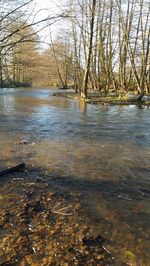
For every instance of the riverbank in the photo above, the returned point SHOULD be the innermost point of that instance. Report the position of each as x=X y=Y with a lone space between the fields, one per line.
x=99 y=98
x=16 y=85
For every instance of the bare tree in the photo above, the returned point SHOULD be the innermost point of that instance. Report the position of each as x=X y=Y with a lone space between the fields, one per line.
x=89 y=54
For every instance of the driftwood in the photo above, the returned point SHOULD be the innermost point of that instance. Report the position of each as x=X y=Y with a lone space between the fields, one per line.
x=12 y=169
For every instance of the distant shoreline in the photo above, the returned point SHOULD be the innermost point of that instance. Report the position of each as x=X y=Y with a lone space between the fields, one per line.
x=16 y=85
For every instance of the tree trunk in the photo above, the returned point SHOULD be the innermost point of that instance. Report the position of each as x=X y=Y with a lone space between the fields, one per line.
x=87 y=68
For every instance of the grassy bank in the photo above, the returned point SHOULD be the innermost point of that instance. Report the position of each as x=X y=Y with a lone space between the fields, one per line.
x=99 y=98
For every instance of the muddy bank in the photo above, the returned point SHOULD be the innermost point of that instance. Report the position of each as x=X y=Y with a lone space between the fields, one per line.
x=101 y=99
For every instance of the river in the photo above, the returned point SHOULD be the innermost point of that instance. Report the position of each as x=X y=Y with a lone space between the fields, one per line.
x=101 y=151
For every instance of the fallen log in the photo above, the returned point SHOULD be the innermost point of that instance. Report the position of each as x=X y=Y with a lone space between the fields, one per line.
x=12 y=169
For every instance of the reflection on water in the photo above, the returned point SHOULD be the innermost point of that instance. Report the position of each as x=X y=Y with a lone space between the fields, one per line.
x=89 y=143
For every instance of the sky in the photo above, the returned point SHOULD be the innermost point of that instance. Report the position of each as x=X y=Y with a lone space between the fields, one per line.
x=45 y=8
x=35 y=11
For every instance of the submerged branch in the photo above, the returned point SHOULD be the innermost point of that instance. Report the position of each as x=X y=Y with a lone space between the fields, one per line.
x=12 y=169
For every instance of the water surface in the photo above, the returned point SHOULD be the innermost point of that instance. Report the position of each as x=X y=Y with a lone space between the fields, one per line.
x=104 y=152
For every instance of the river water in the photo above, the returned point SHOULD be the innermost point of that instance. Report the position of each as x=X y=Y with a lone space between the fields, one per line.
x=101 y=151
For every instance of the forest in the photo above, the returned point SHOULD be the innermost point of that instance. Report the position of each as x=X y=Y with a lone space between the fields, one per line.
x=97 y=45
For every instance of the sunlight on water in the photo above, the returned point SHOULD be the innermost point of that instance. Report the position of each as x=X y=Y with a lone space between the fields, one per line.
x=83 y=160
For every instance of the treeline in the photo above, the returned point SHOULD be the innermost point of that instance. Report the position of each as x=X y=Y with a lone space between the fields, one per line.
x=23 y=62
x=111 y=44
x=14 y=36
x=102 y=46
